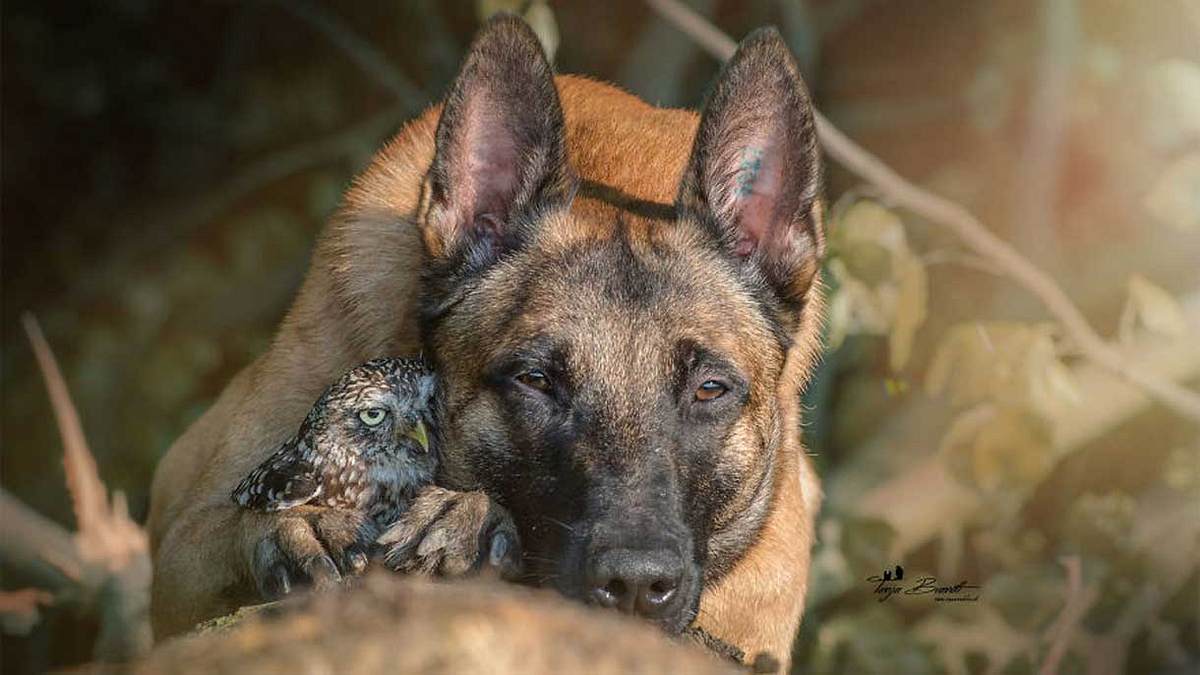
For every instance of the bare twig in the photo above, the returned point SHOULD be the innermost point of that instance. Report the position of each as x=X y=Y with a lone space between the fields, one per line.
x=83 y=479
x=1079 y=600
x=19 y=609
x=959 y=221
x=106 y=565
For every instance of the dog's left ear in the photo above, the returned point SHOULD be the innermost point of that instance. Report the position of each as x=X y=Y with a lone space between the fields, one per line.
x=754 y=177
x=500 y=147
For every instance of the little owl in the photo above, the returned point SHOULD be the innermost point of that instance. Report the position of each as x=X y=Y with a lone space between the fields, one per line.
x=364 y=446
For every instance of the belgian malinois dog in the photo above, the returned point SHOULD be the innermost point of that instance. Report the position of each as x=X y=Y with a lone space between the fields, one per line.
x=622 y=302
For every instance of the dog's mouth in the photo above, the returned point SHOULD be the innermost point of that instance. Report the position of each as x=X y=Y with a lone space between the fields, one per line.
x=646 y=573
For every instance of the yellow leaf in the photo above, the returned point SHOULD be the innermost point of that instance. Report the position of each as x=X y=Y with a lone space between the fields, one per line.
x=1005 y=362
x=1173 y=94
x=1175 y=198
x=911 y=307
x=867 y=221
x=541 y=18
x=997 y=449
x=537 y=14
x=1155 y=308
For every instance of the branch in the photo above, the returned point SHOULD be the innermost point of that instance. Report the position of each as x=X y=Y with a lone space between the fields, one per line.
x=959 y=221
x=919 y=498
x=105 y=566
x=83 y=479
x=1079 y=600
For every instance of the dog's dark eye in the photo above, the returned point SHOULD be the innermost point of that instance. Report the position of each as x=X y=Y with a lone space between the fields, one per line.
x=535 y=379
x=710 y=390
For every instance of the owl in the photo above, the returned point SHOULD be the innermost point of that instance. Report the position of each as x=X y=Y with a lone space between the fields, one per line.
x=366 y=445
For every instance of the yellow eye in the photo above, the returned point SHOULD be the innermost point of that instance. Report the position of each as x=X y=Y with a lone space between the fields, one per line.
x=710 y=390
x=372 y=416
x=535 y=379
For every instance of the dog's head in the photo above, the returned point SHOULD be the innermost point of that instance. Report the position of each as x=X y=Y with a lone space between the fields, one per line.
x=619 y=377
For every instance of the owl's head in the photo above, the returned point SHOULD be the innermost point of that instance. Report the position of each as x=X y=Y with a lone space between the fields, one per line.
x=381 y=410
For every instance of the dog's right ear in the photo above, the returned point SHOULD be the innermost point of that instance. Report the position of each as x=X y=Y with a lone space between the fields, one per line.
x=501 y=148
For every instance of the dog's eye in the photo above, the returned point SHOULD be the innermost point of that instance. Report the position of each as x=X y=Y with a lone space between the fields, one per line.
x=372 y=416
x=535 y=379
x=710 y=390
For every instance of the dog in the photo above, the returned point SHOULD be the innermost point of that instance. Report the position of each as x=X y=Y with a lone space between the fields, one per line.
x=623 y=304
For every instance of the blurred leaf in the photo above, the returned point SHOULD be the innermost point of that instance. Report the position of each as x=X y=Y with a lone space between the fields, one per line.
x=1155 y=309
x=831 y=574
x=856 y=308
x=985 y=633
x=1173 y=92
x=1049 y=381
x=1100 y=524
x=541 y=19
x=1015 y=364
x=1027 y=598
x=537 y=13
x=911 y=308
x=866 y=223
x=868 y=642
x=882 y=288
x=997 y=449
x=867 y=545
x=1182 y=470
x=1175 y=197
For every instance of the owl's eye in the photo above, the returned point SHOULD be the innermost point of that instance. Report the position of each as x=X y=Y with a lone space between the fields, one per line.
x=535 y=379
x=372 y=416
x=710 y=390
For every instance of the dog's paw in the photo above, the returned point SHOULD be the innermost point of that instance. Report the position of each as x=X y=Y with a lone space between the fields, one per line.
x=311 y=546
x=451 y=533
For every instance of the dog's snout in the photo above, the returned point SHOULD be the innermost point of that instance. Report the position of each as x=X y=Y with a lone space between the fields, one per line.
x=636 y=581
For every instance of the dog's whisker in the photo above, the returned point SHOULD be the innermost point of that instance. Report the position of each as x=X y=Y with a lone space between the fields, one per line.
x=560 y=523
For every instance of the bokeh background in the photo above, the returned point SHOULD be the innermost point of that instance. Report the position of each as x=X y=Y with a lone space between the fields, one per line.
x=167 y=165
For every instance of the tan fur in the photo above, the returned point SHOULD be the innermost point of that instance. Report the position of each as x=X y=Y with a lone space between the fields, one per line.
x=358 y=302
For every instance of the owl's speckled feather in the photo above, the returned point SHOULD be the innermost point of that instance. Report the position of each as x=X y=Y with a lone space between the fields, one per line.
x=338 y=459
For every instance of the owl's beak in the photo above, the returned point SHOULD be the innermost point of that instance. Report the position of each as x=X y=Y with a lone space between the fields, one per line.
x=419 y=434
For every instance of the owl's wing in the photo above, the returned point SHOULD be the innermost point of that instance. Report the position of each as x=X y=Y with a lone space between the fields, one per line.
x=286 y=479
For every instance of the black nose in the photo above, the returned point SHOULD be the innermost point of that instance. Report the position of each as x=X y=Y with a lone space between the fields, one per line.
x=635 y=581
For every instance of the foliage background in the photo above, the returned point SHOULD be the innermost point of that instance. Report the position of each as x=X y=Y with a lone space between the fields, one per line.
x=167 y=165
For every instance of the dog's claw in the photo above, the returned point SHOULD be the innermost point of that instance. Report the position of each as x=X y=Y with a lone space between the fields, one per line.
x=311 y=546
x=277 y=583
x=321 y=571
x=356 y=560
x=451 y=533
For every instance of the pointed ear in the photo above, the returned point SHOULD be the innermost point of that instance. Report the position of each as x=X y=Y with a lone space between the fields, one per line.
x=500 y=146
x=754 y=177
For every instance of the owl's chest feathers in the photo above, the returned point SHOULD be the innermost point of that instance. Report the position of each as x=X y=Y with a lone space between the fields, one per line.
x=379 y=483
